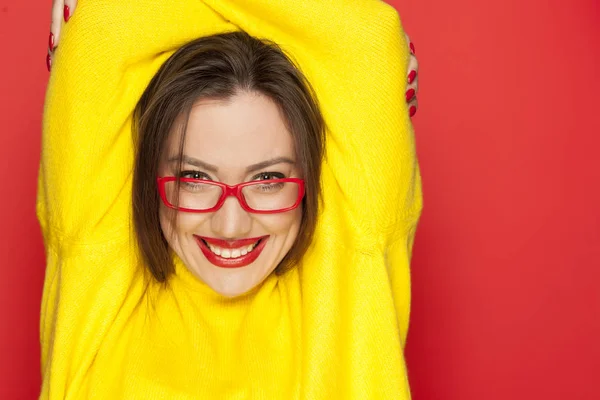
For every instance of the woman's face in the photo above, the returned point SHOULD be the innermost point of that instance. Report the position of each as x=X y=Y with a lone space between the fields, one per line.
x=226 y=140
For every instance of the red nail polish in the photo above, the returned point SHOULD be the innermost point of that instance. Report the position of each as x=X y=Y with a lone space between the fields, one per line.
x=67 y=13
x=412 y=48
x=48 y=62
x=410 y=93
x=412 y=111
x=51 y=42
x=412 y=76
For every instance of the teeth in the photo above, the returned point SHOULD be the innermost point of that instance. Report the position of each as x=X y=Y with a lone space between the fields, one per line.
x=232 y=253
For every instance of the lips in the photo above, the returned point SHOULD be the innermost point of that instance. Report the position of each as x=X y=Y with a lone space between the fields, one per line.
x=229 y=247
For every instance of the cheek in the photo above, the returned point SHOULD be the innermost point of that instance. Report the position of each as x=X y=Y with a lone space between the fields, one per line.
x=174 y=224
x=286 y=224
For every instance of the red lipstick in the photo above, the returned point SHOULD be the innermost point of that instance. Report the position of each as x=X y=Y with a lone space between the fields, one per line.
x=237 y=262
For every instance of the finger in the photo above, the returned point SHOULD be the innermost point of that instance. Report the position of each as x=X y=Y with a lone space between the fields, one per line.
x=413 y=64
x=413 y=105
x=411 y=46
x=414 y=85
x=413 y=80
x=55 y=24
x=69 y=9
x=49 y=60
x=413 y=72
x=62 y=10
x=412 y=88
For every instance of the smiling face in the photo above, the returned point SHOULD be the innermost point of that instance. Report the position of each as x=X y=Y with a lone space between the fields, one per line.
x=240 y=139
x=225 y=141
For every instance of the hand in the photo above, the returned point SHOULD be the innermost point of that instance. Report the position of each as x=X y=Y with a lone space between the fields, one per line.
x=62 y=10
x=413 y=80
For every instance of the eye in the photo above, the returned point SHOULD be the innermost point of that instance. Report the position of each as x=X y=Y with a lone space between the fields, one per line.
x=269 y=187
x=263 y=176
x=194 y=175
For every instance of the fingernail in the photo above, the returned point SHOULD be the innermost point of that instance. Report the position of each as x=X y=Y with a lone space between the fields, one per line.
x=67 y=13
x=412 y=48
x=412 y=111
x=412 y=76
x=51 y=42
x=410 y=93
x=48 y=62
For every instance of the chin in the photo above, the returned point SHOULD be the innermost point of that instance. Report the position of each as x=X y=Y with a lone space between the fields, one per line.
x=234 y=289
x=230 y=282
x=231 y=294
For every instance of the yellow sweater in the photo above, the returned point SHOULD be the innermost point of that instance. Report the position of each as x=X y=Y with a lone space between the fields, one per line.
x=333 y=327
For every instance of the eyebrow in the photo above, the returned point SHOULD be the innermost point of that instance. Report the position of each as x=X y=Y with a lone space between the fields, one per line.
x=251 y=168
x=195 y=162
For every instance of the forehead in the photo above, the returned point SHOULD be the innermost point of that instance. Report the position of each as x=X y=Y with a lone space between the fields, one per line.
x=231 y=134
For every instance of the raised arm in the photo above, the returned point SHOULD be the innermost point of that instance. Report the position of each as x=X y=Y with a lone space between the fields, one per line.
x=355 y=279
x=107 y=53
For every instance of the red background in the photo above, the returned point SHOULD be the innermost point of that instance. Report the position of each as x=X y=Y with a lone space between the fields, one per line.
x=506 y=294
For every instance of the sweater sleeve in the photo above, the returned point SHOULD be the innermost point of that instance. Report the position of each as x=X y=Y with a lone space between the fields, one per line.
x=108 y=53
x=355 y=55
x=355 y=278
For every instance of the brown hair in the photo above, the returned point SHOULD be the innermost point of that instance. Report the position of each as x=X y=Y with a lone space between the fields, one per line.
x=218 y=67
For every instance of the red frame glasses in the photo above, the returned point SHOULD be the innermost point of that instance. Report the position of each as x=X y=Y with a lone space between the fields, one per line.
x=235 y=191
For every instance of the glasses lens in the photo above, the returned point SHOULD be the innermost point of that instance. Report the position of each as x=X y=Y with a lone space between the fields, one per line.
x=271 y=195
x=193 y=194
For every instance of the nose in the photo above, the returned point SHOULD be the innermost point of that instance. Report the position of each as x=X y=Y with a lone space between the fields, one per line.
x=231 y=221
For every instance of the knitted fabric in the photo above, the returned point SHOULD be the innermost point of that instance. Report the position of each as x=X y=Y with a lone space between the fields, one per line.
x=333 y=326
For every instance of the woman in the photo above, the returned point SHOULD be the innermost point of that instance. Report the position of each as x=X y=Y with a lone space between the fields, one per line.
x=331 y=321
